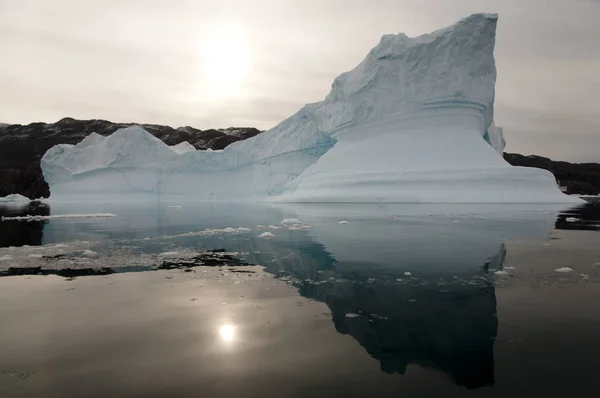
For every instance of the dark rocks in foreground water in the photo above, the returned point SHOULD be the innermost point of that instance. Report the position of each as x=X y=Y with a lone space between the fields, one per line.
x=209 y=258
x=64 y=272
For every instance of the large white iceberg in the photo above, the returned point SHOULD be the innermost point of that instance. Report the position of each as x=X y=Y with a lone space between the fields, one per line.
x=413 y=122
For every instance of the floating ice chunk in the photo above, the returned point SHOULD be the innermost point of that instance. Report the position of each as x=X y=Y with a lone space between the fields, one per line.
x=173 y=254
x=585 y=277
x=238 y=230
x=352 y=315
x=571 y=219
x=509 y=268
x=89 y=253
x=5 y=258
x=260 y=226
x=300 y=226
x=266 y=235
x=290 y=221
x=407 y=273
x=501 y=273
x=274 y=227
x=343 y=222
x=399 y=280
x=564 y=269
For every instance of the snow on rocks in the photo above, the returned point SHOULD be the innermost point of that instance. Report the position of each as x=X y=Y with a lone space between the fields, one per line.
x=14 y=199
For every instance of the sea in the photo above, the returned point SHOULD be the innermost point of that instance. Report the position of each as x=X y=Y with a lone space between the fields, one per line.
x=288 y=300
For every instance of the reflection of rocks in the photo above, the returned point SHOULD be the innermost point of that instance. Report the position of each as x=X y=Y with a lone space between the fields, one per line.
x=585 y=217
x=14 y=233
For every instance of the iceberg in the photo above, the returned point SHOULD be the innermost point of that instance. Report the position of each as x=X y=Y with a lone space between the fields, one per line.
x=413 y=122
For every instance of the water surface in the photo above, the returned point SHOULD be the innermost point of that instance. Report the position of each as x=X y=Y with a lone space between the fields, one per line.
x=420 y=300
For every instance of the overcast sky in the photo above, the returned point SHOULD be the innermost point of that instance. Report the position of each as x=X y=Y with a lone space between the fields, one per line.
x=220 y=63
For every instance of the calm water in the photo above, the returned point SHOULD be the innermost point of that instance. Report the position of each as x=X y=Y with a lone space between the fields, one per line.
x=416 y=300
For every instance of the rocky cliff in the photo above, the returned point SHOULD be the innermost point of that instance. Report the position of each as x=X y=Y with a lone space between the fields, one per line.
x=579 y=178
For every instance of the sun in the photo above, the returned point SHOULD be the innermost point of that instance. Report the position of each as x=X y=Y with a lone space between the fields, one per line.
x=225 y=62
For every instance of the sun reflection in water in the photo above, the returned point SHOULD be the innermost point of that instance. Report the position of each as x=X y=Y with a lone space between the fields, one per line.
x=227 y=332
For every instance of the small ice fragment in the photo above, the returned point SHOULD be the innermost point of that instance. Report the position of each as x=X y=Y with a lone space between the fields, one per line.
x=274 y=227
x=352 y=315
x=399 y=280
x=89 y=253
x=501 y=273
x=545 y=244
x=344 y=222
x=169 y=254
x=564 y=269
x=455 y=221
x=585 y=277
x=260 y=226
x=174 y=207
x=509 y=268
x=229 y=230
x=290 y=221
x=5 y=258
x=266 y=235
x=242 y=230
x=571 y=219
x=407 y=273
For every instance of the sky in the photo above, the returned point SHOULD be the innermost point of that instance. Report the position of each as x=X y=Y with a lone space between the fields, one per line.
x=221 y=63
